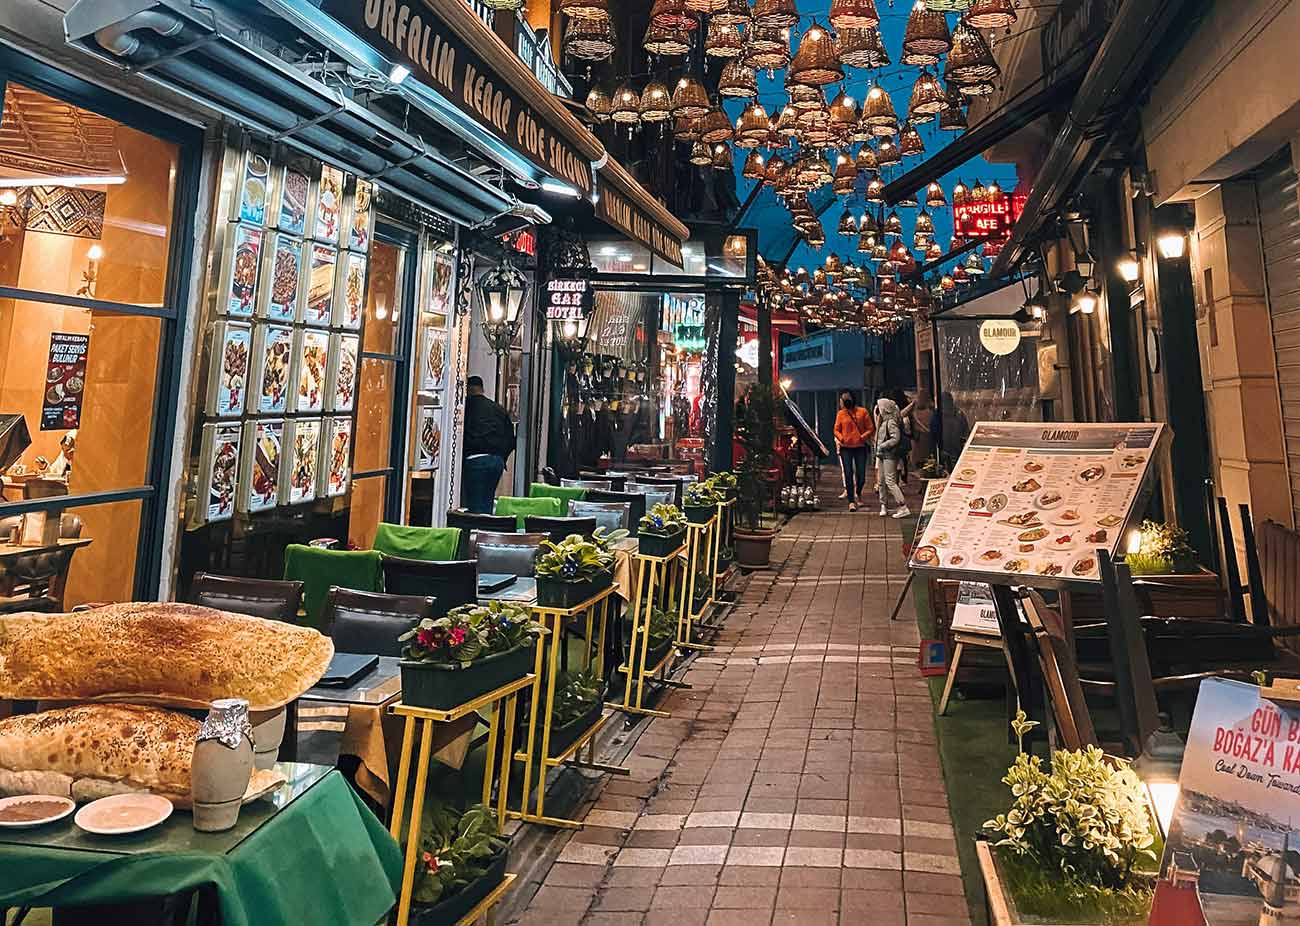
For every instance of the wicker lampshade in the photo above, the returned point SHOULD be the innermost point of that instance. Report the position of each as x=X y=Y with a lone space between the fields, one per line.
x=953 y=117
x=843 y=183
x=735 y=13
x=866 y=160
x=754 y=168
x=879 y=252
x=686 y=128
x=805 y=96
x=817 y=60
x=976 y=88
x=924 y=223
x=767 y=48
x=656 y=102
x=888 y=154
x=854 y=14
x=844 y=113
x=934 y=198
x=869 y=224
x=910 y=143
x=971 y=59
x=584 y=9
x=886 y=270
x=878 y=112
x=700 y=155
x=933 y=251
x=775 y=14
x=776 y=168
x=991 y=14
x=847 y=225
x=627 y=105
x=599 y=104
x=737 y=80
x=671 y=14
x=927 y=99
x=752 y=126
x=788 y=122
x=875 y=189
x=666 y=42
x=960 y=194
x=893 y=226
x=722 y=157
x=706 y=6
x=690 y=99
x=857 y=133
x=926 y=36
x=715 y=127
x=866 y=241
x=723 y=41
x=862 y=48
x=812 y=118
x=974 y=264
x=589 y=39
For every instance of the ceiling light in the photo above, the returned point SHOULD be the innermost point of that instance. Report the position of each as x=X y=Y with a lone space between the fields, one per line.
x=70 y=180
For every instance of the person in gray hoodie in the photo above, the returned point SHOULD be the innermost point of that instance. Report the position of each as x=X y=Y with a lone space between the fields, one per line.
x=889 y=437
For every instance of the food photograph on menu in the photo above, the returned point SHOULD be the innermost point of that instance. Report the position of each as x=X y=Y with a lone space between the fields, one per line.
x=220 y=463
x=313 y=364
x=1037 y=501
x=286 y=279
x=338 y=455
x=295 y=189
x=260 y=479
x=433 y=359
x=253 y=192
x=352 y=305
x=273 y=348
x=245 y=253
x=320 y=285
x=228 y=376
x=440 y=294
x=301 y=455
x=362 y=212
x=343 y=371
x=329 y=205
x=429 y=439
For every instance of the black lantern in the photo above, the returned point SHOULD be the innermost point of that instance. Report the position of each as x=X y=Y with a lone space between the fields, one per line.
x=501 y=293
x=571 y=336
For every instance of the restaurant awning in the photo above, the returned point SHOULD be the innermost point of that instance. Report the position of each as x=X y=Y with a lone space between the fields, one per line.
x=1005 y=301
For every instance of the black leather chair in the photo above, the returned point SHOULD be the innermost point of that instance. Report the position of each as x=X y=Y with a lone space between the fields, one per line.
x=35 y=581
x=559 y=528
x=273 y=599
x=636 y=502
x=659 y=482
x=470 y=521
x=514 y=554
x=451 y=583
x=371 y=622
x=655 y=494
x=616 y=481
x=605 y=484
x=609 y=515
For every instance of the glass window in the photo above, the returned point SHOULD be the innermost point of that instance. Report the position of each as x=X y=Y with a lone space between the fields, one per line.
x=383 y=298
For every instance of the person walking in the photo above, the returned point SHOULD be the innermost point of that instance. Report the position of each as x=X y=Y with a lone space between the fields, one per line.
x=890 y=446
x=853 y=431
x=489 y=441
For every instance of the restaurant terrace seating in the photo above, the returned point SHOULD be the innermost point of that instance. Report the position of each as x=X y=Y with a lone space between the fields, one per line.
x=559 y=528
x=513 y=554
x=273 y=599
x=371 y=622
x=451 y=583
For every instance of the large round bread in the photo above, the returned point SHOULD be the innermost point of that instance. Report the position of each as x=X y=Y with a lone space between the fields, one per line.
x=159 y=653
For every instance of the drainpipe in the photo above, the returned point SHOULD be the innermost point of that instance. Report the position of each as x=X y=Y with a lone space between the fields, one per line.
x=118 y=39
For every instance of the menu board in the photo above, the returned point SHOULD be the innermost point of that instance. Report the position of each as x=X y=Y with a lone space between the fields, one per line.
x=1033 y=502
x=429 y=442
x=295 y=189
x=352 y=301
x=273 y=354
x=329 y=205
x=320 y=285
x=253 y=188
x=300 y=458
x=228 y=374
x=343 y=371
x=433 y=359
x=313 y=360
x=219 y=469
x=285 y=290
x=336 y=465
x=241 y=270
x=363 y=214
x=260 y=472
x=440 y=280
x=65 y=381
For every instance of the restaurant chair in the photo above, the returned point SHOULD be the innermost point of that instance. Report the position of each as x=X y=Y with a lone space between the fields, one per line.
x=559 y=528
x=550 y=476
x=656 y=494
x=451 y=583
x=36 y=581
x=320 y=570
x=609 y=515
x=273 y=599
x=470 y=521
x=433 y=543
x=513 y=554
x=636 y=502
x=564 y=494
x=521 y=507
x=605 y=485
x=617 y=481
x=371 y=622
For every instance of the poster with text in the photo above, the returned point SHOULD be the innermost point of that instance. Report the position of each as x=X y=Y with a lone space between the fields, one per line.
x=329 y=205
x=1232 y=856
x=337 y=449
x=253 y=184
x=65 y=381
x=440 y=280
x=433 y=359
x=295 y=190
x=1032 y=502
x=363 y=215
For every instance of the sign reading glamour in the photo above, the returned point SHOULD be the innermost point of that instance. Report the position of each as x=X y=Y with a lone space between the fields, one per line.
x=412 y=33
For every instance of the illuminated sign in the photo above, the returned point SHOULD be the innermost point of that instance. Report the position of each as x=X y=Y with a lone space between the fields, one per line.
x=568 y=300
x=522 y=241
x=1000 y=337
x=989 y=218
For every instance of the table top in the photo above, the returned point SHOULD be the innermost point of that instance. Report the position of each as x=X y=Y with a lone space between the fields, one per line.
x=523 y=591
x=177 y=833
x=11 y=550
x=378 y=686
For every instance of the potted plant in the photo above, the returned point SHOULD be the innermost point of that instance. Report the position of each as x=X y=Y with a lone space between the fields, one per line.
x=1162 y=549
x=701 y=502
x=660 y=531
x=469 y=651
x=663 y=632
x=1071 y=847
x=755 y=433
x=579 y=701
x=724 y=483
x=571 y=571
x=462 y=858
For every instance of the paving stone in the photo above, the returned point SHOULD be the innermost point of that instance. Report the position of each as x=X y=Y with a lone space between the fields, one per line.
x=698 y=855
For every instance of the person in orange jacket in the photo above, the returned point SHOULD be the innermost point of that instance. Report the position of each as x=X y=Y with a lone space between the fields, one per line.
x=853 y=432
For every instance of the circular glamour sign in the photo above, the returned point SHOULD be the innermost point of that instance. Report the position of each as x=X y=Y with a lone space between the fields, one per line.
x=999 y=336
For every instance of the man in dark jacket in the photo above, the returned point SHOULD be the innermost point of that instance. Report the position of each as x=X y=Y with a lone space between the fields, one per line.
x=489 y=441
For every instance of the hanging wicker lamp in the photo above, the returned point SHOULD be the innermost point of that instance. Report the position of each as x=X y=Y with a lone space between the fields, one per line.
x=878 y=112
x=599 y=103
x=735 y=13
x=875 y=189
x=752 y=126
x=700 y=155
x=737 y=80
x=706 y=6
x=893 y=225
x=924 y=223
x=953 y=117
x=976 y=88
x=869 y=225
x=933 y=251
x=862 y=48
x=589 y=39
x=666 y=42
x=715 y=127
x=788 y=122
x=843 y=184
x=817 y=60
x=991 y=14
x=775 y=14
x=584 y=9
x=776 y=168
x=690 y=99
x=888 y=154
x=927 y=99
x=934 y=198
x=806 y=96
x=971 y=60
x=926 y=37
x=847 y=225
x=722 y=157
x=975 y=264
x=960 y=195
x=844 y=113
x=627 y=106
x=854 y=14
x=767 y=48
x=686 y=128
x=866 y=241
x=723 y=41
x=754 y=168
x=672 y=14
x=656 y=102
x=910 y=143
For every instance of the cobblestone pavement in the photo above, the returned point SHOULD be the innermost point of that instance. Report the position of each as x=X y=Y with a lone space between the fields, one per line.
x=798 y=780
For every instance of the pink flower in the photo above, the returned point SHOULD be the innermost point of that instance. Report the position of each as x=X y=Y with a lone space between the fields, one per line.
x=427 y=639
x=457 y=636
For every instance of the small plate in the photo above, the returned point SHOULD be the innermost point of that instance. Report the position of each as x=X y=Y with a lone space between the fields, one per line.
x=66 y=806
x=123 y=813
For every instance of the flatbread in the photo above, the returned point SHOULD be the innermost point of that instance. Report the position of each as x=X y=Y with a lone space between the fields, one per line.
x=177 y=655
x=97 y=750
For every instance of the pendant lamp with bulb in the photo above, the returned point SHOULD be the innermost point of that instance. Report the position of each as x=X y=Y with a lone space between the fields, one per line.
x=722 y=157
x=690 y=99
x=723 y=41
x=656 y=102
x=878 y=112
x=934 y=198
x=627 y=106
x=816 y=61
x=589 y=39
x=584 y=9
x=754 y=168
x=599 y=103
x=767 y=48
x=927 y=99
x=926 y=37
x=672 y=14
x=737 y=80
x=700 y=155
x=715 y=127
x=862 y=48
x=970 y=60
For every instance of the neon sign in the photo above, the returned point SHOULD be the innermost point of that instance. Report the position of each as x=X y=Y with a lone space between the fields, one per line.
x=994 y=218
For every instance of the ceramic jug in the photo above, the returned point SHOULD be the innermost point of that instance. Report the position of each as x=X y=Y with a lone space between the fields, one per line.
x=223 y=763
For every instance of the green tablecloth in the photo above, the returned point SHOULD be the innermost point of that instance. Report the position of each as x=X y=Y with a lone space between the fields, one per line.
x=322 y=859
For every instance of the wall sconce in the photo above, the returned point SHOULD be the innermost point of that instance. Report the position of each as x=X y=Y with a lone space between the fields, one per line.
x=90 y=276
x=1085 y=302
x=501 y=293
x=1128 y=268
x=1172 y=244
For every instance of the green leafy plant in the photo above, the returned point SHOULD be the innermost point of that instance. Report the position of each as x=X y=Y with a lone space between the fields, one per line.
x=1086 y=820
x=1162 y=548
x=606 y=539
x=663 y=627
x=662 y=519
x=756 y=432
x=471 y=632
x=575 y=558
x=575 y=694
x=455 y=849
x=723 y=480
x=701 y=495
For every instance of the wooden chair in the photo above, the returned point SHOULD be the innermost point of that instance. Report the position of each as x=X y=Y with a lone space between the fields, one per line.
x=371 y=622
x=451 y=583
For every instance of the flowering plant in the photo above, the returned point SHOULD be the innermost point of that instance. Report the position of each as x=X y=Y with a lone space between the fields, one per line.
x=471 y=632
x=701 y=495
x=1086 y=820
x=577 y=559
x=455 y=850
x=662 y=519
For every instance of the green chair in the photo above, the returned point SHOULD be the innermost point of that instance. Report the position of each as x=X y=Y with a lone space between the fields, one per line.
x=426 y=543
x=319 y=569
x=565 y=494
x=523 y=507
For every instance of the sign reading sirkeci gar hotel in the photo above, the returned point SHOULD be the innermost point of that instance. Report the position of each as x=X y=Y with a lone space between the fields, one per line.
x=413 y=33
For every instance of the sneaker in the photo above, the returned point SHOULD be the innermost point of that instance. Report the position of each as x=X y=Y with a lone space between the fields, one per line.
x=883 y=511
x=843 y=495
x=901 y=512
x=853 y=506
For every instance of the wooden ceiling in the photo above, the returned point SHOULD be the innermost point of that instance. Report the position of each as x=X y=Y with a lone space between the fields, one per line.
x=41 y=134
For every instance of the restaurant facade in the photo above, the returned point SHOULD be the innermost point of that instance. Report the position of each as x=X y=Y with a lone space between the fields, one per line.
x=241 y=255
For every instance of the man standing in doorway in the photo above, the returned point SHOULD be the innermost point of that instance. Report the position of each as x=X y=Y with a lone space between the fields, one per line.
x=489 y=441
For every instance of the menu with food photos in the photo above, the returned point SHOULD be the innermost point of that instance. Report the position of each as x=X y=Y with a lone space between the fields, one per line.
x=241 y=271
x=1033 y=503
x=336 y=453
x=219 y=459
x=300 y=457
x=260 y=469
x=285 y=289
x=273 y=354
